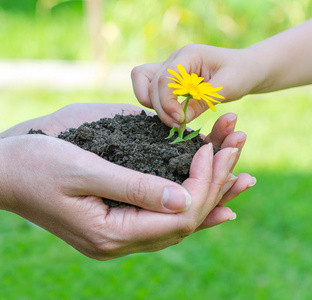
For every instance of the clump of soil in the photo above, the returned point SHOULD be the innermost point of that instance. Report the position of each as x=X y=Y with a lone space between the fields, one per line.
x=136 y=142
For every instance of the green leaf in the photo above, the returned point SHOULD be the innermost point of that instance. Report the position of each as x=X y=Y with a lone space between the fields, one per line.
x=172 y=131
x=177 y=140
x=192 y=135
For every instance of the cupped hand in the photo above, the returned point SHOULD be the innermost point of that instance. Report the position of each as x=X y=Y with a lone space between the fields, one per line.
x=235 y=70
x=73 y=115
x=60 y=187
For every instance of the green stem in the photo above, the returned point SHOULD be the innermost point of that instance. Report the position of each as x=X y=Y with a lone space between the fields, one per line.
x=183 y=125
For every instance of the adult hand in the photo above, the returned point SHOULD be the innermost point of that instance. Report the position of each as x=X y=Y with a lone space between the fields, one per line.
x=222 y=136
x=71 y=116
x=60 y=187
x=236 y=70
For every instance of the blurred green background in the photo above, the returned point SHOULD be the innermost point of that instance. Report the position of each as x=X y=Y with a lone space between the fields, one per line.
x=266 y=252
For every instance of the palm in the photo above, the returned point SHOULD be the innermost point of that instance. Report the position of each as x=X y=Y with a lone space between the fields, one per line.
x=76 y=114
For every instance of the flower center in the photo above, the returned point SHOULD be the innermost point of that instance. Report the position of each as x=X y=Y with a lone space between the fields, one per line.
x=194 y=90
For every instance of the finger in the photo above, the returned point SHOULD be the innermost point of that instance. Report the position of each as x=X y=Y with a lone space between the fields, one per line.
x=141 y=78
x=145 y=236
x=235 y=140
x=224 y=126
x=194 y=109
x=198 y=184
x=169 y=111
x=204 y=185
x=231 y=179
x=110 y=181
x=243 y=183
x=223 y=163
x=166 y=118
x=141 y=231
x=218 y=215
x=167 y=99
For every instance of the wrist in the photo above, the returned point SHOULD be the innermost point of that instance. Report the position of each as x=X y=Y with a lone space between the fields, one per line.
x=259 y=72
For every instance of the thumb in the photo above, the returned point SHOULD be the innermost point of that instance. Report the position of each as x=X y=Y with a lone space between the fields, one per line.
x=113 y=182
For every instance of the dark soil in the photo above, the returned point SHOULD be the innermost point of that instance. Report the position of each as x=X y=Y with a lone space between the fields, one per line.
x=136 y=142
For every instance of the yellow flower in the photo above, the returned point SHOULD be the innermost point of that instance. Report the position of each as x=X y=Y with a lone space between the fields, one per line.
x=186 y=84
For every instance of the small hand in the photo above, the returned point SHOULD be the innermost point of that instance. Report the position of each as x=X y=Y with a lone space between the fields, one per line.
x=232 y=69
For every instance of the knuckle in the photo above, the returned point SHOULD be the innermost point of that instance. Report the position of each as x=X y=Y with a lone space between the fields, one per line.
x=217 y=187
x=96 y=244
x=162 y=79
x=151 y=87
x=100 y=248
x=102 y=251
x=187 y=48
x=138 y=191
x=189 y=51
x=136 y=71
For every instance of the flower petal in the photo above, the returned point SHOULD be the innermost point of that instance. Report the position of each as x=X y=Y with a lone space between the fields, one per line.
x=218 y=88
x=211 y=94
x=192 y=84
x=207 y=98
x=207 y=89
x=196 y=80
x=174 y=85
x=181 y=92
x=196 y=97
x=176 y=80
x=184 y=74
x=211 y=106
x=175 y=74
x=205 y=85
x=216 y=95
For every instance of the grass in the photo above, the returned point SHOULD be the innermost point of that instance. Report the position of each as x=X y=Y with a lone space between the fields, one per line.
x=264 y=254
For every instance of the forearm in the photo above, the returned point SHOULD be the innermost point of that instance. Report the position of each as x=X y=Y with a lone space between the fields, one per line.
x=7 y=201
x=286 y=59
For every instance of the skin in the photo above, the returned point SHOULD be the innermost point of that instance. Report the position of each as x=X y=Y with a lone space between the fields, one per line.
x=59 y=186
x=280 y=62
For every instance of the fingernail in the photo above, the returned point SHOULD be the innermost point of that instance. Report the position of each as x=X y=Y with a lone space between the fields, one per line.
x=175 y=199
x=232 y=158
x=189 y=115
x=240 y=144
x=178 y=117
x=230 y=124
x=231 y=177
x=233 y=217
x=209 y=147
x=175 y=125
x=232 y=119
x=229 y=183
x=254 y=182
